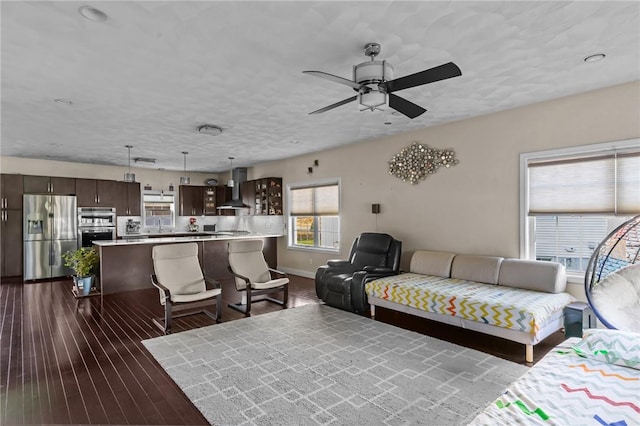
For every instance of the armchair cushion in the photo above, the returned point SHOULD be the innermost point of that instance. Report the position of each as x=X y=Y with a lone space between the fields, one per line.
x=246 y=255
x=177 y=268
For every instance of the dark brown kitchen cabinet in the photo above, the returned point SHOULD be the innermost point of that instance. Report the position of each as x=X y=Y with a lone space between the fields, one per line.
x=11 y=190
x=11 y=242
x=96 y=192
x=49 y=185
x=223 y=194
x=128 y=199
x=191 y=200
x=247 y=193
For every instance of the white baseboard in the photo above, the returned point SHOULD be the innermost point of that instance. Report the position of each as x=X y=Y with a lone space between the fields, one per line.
x=299 y=272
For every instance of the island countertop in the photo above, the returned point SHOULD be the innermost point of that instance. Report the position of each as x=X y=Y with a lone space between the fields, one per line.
x=182 y=238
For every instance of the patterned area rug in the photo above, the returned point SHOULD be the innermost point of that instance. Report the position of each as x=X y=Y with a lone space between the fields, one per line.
x=316 y=365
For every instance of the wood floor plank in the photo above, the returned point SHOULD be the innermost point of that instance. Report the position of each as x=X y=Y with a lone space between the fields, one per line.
x=81 y=361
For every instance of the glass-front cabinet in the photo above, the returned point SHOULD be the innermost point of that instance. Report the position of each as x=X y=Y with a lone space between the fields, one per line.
x=267 y=196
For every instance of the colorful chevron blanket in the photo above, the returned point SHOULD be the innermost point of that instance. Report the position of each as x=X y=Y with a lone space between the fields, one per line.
x=590 y=381
x=506 y=307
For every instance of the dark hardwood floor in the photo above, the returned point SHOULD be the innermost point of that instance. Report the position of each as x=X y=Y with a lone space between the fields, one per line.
x=80 y=361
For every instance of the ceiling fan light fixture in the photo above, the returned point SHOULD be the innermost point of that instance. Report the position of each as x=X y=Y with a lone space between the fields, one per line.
x=185 y=180
x=373 y=100
x=209 y=129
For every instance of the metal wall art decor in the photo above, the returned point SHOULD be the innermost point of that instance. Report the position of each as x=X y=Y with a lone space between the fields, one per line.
x=415 y=162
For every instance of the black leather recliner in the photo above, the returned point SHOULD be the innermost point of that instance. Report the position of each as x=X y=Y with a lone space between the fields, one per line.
x=341 y=283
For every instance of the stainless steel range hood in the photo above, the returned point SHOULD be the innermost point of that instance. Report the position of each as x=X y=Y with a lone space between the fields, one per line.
x=239 y=175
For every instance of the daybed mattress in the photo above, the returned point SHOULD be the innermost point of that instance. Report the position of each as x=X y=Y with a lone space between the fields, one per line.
x=505 y=307
x=589 y=381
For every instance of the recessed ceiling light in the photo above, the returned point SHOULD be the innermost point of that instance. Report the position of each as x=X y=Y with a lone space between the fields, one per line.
x=594 y=58
x=63 y=101
x=93 y=14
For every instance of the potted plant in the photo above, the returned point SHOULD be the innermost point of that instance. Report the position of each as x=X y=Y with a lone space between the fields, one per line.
x=84 y=262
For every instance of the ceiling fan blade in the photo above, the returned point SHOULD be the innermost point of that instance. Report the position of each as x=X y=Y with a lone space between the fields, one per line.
x=438 y=73
x=405 y=107
x=333 y=78
x=332 y=106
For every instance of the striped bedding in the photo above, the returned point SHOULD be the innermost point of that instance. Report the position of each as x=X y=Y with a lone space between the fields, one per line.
x=506 y=307
x=590 y=381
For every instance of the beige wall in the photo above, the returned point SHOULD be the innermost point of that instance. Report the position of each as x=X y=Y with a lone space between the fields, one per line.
x=472 y=207
x=156 y=178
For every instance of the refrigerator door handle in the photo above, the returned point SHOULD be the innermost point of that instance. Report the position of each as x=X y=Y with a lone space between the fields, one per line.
x=51 y=254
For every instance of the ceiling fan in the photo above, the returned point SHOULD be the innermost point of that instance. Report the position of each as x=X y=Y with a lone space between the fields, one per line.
x=373 y=80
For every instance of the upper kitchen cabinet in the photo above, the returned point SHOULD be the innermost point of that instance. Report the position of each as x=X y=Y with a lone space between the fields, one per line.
x=223 y=195
x=49 y=185
x=128 y=199
x=96 y=192
x=267 y=196
x=11 y=190
x=191 y=200
x=248 y=195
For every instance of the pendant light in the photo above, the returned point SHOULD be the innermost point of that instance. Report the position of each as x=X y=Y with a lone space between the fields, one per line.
x=230 y=182
x=185 y=180
x=129 y=177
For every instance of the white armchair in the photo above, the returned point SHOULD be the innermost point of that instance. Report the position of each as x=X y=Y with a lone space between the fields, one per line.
x=253 y=275
x=182 y=286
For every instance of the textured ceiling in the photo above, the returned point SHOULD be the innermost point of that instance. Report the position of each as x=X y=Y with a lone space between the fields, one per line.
x=154 y=71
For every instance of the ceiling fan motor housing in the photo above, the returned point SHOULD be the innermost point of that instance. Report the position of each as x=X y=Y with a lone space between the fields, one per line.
x=369 y=75
x=373 y=72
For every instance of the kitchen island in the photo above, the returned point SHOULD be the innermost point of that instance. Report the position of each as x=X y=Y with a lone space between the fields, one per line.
x=126 y=264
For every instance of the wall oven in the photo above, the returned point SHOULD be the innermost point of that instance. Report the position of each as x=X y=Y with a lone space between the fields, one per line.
x=96 y=223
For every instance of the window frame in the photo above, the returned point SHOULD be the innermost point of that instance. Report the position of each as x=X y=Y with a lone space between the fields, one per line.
x=527 y=249
x=290 y=218
x=143 y=213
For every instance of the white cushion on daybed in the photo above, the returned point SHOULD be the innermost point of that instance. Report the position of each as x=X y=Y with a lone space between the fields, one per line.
x=436 y=263
x=481 y=269
x=537 y=275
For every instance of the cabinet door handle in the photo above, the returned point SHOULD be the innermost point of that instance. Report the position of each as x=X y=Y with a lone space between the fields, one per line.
x=98 y=198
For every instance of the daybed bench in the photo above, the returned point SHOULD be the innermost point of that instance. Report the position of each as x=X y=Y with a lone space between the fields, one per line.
x=515 y=299
x=590 y=381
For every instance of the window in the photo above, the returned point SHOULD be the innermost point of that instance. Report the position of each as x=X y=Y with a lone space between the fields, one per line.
x=158 y=210
x=314 y=216
x=573 y=198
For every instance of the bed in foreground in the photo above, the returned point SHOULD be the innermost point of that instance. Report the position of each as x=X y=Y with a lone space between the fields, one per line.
x=594 y=380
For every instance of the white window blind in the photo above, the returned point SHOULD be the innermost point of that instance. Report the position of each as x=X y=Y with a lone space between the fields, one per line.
x=606 y=184
x=628 y=183
x=315 y=201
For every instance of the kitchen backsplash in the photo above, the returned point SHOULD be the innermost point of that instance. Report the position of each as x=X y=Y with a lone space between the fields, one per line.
x=258 y=224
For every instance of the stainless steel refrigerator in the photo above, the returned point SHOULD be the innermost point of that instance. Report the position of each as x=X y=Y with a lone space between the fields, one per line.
x=50 y=228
